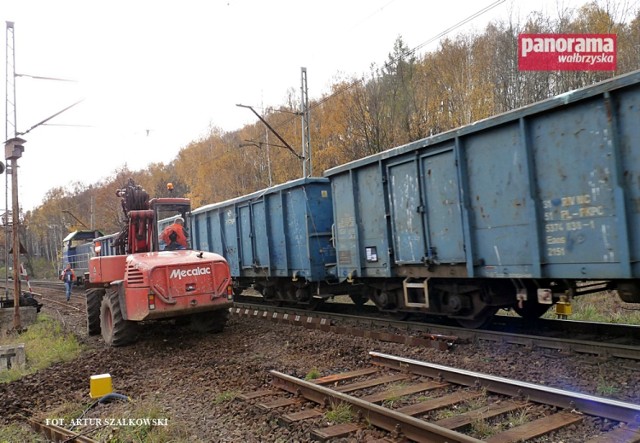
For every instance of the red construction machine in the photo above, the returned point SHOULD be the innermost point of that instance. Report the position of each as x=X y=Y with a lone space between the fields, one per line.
x=134 y=277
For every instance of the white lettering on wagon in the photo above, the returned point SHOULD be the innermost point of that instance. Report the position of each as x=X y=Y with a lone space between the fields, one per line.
x=181 y=273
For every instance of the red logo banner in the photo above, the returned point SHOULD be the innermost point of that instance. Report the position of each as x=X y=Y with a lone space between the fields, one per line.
x=567 y=52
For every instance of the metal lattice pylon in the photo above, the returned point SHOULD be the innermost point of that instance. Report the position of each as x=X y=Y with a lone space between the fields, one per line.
x=306 y=132
x=10 y=96
x=11 y=130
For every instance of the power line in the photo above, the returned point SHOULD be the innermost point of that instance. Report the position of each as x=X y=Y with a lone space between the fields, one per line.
x=39 y=77
x=457 y=25
x=377 y=11
x=49 y=118
x=410 y=51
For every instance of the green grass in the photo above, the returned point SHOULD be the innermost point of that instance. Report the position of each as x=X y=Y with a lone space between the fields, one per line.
x=151 y=423
x=604 y=307
x=18 y=433
x=460 y=408
x=312 y=374
x=393 y=397
x=606 y=389
x=601 y=307
x=147 y=409
x=483 y=429
x=519 y=417
x=339 y=413
x=45 y=343
x=225 y=397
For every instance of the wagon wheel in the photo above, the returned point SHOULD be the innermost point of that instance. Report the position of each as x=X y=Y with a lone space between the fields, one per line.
x=531 y=309
x=116 y=331
x=480 y=321
x=400 y=315
x=358 y=299
x=314 y=303
x=94 y=299
x=270 y=295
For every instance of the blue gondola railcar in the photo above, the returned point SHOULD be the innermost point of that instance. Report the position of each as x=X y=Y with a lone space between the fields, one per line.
x=277 y=240
x=77 y=248
x=517 y=210
x=104 y=246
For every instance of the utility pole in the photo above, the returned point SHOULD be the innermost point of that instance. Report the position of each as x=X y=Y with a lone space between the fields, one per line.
x=10 y=131
x=13 y=150
x=306 y=132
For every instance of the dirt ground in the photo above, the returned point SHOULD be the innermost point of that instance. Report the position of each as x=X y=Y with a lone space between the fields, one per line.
x=190 y=378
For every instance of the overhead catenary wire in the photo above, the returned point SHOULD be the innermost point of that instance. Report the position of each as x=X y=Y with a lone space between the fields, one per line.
x=438 y=36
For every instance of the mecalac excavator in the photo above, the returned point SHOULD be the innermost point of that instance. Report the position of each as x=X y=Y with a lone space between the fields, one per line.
x=134 y=277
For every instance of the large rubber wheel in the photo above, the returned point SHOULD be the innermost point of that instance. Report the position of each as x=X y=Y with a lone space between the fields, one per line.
x=94 y=299
x=211 y=321
x=531 y=309
x=116 y=331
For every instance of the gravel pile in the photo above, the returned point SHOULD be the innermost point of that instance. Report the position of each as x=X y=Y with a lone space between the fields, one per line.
x=190 y=378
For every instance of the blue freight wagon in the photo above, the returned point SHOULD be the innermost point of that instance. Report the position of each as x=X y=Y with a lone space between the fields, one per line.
x=277 y=240
x=520 y=210
x=105 y=246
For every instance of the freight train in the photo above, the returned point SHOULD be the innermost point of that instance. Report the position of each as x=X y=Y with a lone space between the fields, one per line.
x=522 y=210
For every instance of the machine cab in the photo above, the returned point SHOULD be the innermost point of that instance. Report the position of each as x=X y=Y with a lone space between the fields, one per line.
x=172 y=223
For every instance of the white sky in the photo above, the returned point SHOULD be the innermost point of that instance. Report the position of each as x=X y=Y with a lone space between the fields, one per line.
x=177 y=68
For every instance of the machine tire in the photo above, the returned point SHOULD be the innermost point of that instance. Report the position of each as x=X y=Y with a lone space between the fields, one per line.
x=211 y=321
x=94 y=299
x=116 y=331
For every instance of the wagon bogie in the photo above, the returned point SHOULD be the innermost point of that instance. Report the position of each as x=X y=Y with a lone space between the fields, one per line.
x=629 y=291
x=466 y=300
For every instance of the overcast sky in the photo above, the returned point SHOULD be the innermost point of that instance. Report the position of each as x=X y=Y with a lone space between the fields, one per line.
x=155 y=75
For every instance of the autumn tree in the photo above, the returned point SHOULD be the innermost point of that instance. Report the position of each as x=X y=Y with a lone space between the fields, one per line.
x=468 y=77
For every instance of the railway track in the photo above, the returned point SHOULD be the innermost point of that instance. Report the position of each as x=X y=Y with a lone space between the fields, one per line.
x=58 y=434
x=52 y=296
x=424 y=402
x=602 y=341
x=598 y=339
x=453 y=397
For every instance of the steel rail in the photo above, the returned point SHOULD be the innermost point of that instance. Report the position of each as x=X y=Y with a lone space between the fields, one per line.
x=313 y=321
x=583 y=403
x=602 y=349
x=59 y=434
x=387 y=419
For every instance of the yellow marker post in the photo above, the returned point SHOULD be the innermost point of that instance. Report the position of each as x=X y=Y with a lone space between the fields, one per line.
x=100 y=385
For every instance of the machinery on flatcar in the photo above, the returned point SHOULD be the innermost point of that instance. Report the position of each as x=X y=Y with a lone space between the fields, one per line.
x=523 y=210
x=131 y=279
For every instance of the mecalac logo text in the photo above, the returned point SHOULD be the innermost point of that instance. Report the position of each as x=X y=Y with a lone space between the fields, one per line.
x=182 y=273
x=567 y=52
